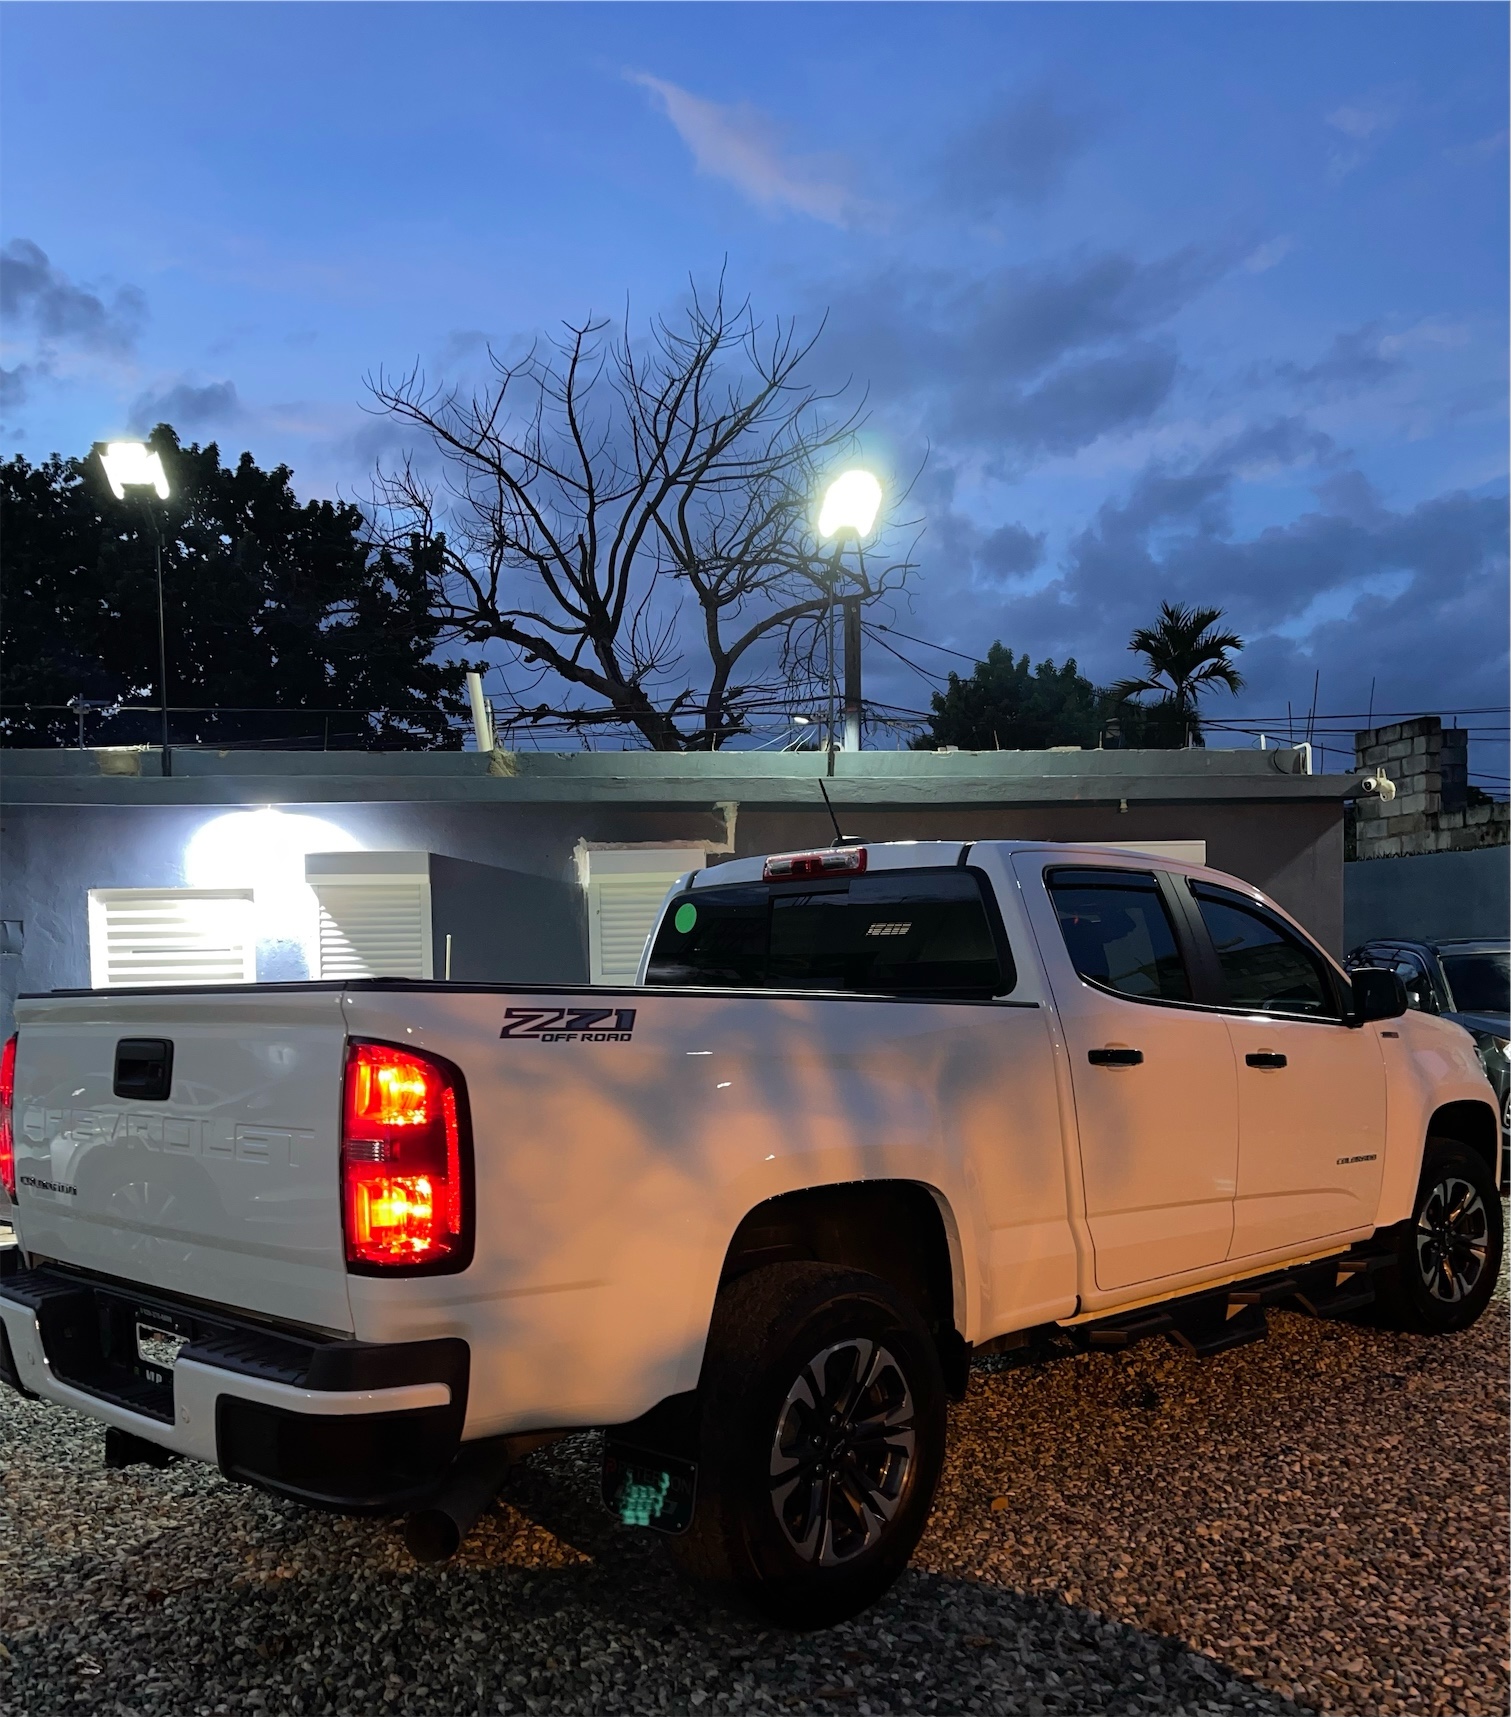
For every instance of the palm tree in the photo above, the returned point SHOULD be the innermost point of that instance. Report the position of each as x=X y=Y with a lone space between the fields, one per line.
x=1186 y=658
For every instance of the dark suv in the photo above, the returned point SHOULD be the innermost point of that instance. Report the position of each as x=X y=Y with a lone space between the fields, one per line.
x=1465 y=981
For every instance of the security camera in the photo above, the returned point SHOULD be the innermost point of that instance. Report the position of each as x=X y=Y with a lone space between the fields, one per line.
x=1379 y=783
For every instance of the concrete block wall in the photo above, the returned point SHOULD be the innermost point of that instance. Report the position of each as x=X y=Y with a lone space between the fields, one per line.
x=1430 y=813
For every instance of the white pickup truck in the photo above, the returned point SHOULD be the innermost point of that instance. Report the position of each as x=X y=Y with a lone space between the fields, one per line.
x=869 y=1111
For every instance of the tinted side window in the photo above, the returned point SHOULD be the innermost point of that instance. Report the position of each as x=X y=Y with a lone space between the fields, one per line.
x=1118 y=932
x=890 y=933
x=1418 y=986
x=1264 y=965
x=1481 y=983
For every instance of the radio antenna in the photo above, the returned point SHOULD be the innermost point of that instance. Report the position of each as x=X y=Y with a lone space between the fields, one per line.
x=839 y=839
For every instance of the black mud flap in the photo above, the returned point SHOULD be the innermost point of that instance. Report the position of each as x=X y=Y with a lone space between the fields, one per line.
x=650 y=1466
x=644 y=1488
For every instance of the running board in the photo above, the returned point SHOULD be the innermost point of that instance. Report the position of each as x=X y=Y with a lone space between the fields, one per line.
x=1225 y=1318
x=1205 y=1337
x=1338 y=1286
x=1205 y=1324
x=1124 y=1331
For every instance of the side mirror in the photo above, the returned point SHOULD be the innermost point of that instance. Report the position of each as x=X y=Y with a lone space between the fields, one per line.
x=1378 y=994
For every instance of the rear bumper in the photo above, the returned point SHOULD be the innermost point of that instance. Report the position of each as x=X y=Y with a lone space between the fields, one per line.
x=360 y=1427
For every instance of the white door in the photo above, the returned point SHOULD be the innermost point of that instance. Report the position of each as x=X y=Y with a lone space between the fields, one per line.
x=374 y=914
x=625 y=888
x=375 y=929
x=1311 y=1090
x=1155 y=1093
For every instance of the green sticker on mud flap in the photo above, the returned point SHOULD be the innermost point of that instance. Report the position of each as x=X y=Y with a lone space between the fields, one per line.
x=645 y=1488
x=686 y=916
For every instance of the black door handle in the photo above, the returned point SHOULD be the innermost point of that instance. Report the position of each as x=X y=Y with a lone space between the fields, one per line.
x=1114 y=1057
x=144 y=1068
x=1265 y=1058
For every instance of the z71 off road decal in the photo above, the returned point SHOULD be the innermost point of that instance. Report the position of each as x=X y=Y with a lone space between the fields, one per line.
x=570 y=1025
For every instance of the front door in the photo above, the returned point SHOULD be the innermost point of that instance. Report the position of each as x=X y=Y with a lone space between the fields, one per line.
x=1311 y=1090
x=1153 y=1076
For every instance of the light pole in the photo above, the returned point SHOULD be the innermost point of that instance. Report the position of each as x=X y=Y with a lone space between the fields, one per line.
x=132 y=465
x=851 y=503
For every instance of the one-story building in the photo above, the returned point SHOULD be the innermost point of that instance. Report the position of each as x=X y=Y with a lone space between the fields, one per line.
x=548 y=866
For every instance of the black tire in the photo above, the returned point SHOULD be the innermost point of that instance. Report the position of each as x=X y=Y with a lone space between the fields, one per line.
x=812 y=1548
x=1448 y=1255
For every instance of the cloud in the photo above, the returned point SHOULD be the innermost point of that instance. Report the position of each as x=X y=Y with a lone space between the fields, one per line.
x=188 y=407
x=1414 y=597
x=1010 y=552
x=39 y=296
x=1269 y=255
x=1017 y=154
x=1024 y=361
x=1365 y=123
x=1071 y=408
x=14 y=384
x=742 y=145
x=1365 y=119
x=461 y=345
x=1479 y=150
x=1357 y=359
x=1260 y=449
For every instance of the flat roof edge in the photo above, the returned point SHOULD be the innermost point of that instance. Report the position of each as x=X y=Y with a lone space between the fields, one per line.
x=663 y=795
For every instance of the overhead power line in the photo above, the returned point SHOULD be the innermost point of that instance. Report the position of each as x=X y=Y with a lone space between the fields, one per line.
x=928 y=643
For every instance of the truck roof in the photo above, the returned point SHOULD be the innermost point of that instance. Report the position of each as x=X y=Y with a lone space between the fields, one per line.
x=918 y=855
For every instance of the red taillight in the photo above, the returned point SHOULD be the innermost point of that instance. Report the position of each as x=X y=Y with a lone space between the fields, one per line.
x=404 y=1160
x=7 y=1123
x=835 y=861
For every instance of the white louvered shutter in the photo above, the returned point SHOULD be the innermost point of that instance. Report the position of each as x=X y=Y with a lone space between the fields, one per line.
x=171 y=936
x=376 y=929
x=625 y=891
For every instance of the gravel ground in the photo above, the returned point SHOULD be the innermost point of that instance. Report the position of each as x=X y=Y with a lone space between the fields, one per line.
x=1313 y=1523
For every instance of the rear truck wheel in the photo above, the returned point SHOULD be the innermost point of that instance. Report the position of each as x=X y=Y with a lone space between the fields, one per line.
x=821 y=1440
x=1448 y=1254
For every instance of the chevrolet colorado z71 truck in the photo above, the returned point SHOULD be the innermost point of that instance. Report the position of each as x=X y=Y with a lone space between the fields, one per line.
x=869 y=1110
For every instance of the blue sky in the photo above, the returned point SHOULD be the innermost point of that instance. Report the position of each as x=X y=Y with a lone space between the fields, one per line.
x=1206 y=303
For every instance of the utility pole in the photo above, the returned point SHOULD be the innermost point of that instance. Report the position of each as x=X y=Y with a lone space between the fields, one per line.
x=134 y=465
x=162 y=636
x=850 y=506
x=852 y=673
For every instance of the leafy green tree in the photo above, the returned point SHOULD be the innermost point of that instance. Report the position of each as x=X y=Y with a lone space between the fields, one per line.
x=1187 y=657
x=277 y=611
x=1006 y=705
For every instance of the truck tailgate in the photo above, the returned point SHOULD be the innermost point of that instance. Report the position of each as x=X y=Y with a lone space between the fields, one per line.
x=228 y=1188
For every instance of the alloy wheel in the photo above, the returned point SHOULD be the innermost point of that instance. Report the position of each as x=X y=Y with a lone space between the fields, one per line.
x=843 y=1451
x=1453 y=1239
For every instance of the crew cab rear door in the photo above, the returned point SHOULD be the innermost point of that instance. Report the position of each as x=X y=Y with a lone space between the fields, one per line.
x=1311 y=1090
x=1153 y=1075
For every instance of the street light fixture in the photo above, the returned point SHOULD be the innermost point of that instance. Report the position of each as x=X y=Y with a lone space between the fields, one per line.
x=133 y=465
x=851 y=503
x=130 y=465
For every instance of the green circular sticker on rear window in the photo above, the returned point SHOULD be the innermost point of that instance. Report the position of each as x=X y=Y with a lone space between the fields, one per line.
x=687 y=916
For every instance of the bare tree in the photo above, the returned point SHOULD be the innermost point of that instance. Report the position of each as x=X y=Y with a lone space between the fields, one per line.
x=634 y=523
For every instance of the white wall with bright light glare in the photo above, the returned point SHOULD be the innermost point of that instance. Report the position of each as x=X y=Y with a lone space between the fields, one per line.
x=265 y=851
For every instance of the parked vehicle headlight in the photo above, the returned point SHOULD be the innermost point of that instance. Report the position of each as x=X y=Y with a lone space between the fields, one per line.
x=1493 y=1056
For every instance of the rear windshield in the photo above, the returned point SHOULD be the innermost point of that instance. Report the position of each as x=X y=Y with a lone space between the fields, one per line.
x=1481 y=983
x=899 y=933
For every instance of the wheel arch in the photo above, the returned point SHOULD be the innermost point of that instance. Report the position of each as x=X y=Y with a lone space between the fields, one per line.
x=1472 y=1124
x=903 y=1231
